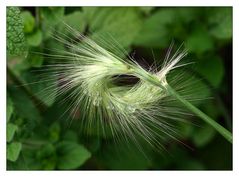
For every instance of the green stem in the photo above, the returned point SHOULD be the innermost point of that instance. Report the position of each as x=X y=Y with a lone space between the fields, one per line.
x=38 y=103
x=224 y=132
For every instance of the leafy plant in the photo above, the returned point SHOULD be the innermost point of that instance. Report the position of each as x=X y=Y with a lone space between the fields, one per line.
x=38 y=119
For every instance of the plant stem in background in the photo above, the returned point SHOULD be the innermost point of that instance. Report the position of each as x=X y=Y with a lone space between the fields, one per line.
x=38 y=103
x=224 y=132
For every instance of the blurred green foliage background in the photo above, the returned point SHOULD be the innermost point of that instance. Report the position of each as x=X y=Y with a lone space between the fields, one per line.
x=40 y=138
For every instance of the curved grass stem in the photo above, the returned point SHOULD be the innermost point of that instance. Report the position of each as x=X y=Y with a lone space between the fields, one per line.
x=220 y=129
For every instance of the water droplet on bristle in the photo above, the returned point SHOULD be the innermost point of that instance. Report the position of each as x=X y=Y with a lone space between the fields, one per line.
x=131 y=109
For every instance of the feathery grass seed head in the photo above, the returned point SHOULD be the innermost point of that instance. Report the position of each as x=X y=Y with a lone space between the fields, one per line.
x=90 y=73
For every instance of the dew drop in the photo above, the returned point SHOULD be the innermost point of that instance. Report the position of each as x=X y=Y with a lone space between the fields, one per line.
x=131 y=109
x=95 y=102
x=110 y=107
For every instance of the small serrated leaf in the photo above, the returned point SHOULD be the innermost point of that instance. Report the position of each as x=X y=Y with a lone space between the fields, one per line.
x=34 y=39
x=28 y=21
x=72 y=155
x=9 y=108
x=11 y=129
x=13 y=151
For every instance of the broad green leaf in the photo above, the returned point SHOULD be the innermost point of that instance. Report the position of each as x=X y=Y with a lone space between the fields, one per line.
x=203 y=135
x=9 y=108
x=185 y=129
x=74 y=20
x=211 y=108
x=212 y=69
x=72 y=155
x=154 y=32
x=121 y=23
x=15 y=37
x=199 y=42
x=23 y=105
x=220 y=22
x=34 y=39
x=13 y=151
x=43 y=87
x=187 y=14
x=165 y=25
x=46 y=151
x=50 y=17
x=11 y=129
x=28 y=21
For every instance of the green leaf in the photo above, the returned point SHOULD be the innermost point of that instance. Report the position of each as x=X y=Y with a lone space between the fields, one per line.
x=54 y=132
x=72 y=155
x=70 y=136
x=164 y=25
x=50 y=17
x=15 y=37
x=47 y=156
x=45 y=87
x=212 y=69
x=23 y=105
x=46 y=151
x=28 y=21
x=220 y=22
x=9 y=108
x=154 y=32
x=34 y=39
x=199 y=42
x=203 y=135
x=13 y=151
x=185 y=129
x=146 y=9
x=122 y=23
x=11 y=129
x=75 y=20
x=125 y=155
x=35 y=60
x=187 y=14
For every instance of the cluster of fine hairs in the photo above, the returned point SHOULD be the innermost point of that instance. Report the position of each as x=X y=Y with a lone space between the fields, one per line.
x=87 y=74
